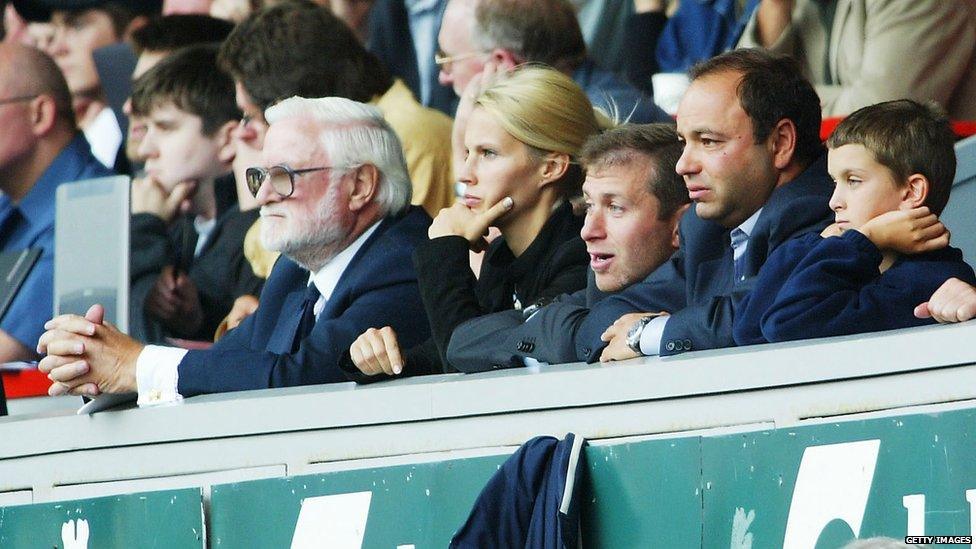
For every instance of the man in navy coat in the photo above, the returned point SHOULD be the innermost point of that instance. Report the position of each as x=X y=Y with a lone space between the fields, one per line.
x=755 y=168
x=335 y=201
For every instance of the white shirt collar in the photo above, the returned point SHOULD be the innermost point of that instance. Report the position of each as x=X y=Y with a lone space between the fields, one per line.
x=326 y=278
x=749 y=224
x=105 y=137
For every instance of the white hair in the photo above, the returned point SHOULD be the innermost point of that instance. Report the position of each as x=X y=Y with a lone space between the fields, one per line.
x=355 y=134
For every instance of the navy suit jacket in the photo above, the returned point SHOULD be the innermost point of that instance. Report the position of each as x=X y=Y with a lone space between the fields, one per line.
x=378 y=288
x=696 y=285
x=821 y=287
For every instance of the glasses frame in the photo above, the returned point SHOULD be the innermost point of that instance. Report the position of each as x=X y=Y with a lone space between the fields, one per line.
x=255 y=177
x=19 y=98
x=442 y=60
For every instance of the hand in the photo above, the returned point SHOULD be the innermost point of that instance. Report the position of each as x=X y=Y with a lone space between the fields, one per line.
x=954 y=301
x=377 y=352
x=834 y=229
x=458 y=220
x=149 y=196
x=616 y=336
x=244 y=307
x=174 y=301
x=86 y=356
x=907 y=231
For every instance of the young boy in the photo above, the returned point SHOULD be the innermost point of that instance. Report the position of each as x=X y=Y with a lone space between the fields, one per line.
x=187 y=269
x=893 y=164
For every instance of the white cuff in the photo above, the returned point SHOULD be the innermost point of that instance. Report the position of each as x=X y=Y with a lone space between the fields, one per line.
x=157 y=374
x=650 y=343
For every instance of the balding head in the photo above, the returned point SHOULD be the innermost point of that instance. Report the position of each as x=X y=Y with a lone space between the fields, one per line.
x=27 y=71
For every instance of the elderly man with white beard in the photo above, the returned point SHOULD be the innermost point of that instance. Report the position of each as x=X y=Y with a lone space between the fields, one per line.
x=335 y=201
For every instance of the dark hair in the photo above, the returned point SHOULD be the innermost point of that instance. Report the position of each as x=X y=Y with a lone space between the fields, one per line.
x=299 y=48
x=772 y=88
x=190 y=79
x=172 y=32
x=542 y=31
x=120 y=13
x=907 y=138
x=659 y=143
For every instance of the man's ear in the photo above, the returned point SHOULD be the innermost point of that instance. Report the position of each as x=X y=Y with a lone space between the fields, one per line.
x=676 y=225
x=916 y=191
x=224 y=137
x=365 y=185
x=553 y=168
x=43 y=115
x=782 y=141
x=505 y=58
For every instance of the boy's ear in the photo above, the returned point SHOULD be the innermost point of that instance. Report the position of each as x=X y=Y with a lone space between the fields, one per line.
x=225 y=142
x=916 y=190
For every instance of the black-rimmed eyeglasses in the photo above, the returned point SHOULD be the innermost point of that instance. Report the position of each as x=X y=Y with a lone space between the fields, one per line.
x=17 y=99
x=282 y=178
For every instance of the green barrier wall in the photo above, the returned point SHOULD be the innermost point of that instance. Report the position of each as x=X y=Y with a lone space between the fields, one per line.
x=418 y=505
x=170 y=519
x=812 y=487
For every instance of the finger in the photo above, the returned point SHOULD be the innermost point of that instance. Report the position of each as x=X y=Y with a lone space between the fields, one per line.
x=606 y=355
x=378 y=345
x=50 y=362
x=356 y=353
x=95 y=314
x=936 y=243
x=56 y=322
x=69 y=371
x=86 y=389
x=54 y=337
x=74 y=324
x=488 y=217
x=66 y=347
x=58 y=389
x=922 y=311
x=920 y=212
x=607 y=334
x=392 y=350
x=927 y=231
x=179 y=193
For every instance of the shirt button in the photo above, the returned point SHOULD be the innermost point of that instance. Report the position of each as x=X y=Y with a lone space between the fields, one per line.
x=669 y=346
x=687 y=343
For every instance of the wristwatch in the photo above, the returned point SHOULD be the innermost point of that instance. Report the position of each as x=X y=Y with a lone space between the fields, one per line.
x=634 y=335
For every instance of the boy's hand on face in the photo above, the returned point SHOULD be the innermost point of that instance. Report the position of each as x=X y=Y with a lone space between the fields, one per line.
x=150 y=196
x=907 y=231
x=834 y=229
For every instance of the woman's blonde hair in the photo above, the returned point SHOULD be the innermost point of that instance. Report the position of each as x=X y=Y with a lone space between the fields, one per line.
x=544 y=109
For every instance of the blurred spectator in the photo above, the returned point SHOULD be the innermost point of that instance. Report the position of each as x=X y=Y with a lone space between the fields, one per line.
x=700 y=29
x=403 y=34
x=602 y=23
x=187 y=264
x=160 y=37
x=862 y=52
x=40 y=148
x=79 y=31
x=511 y=32
x=299 y=48
x=354 y=13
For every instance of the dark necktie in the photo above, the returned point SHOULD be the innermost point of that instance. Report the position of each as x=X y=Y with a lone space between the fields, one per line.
x=307 y=322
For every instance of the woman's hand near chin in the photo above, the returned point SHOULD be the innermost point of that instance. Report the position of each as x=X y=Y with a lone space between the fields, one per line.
x=458 y=220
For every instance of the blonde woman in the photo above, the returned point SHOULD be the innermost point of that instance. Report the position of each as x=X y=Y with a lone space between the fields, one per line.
x=522 y=132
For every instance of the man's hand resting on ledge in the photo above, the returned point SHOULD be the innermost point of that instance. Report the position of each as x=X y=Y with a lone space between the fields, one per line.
x=86 y=356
